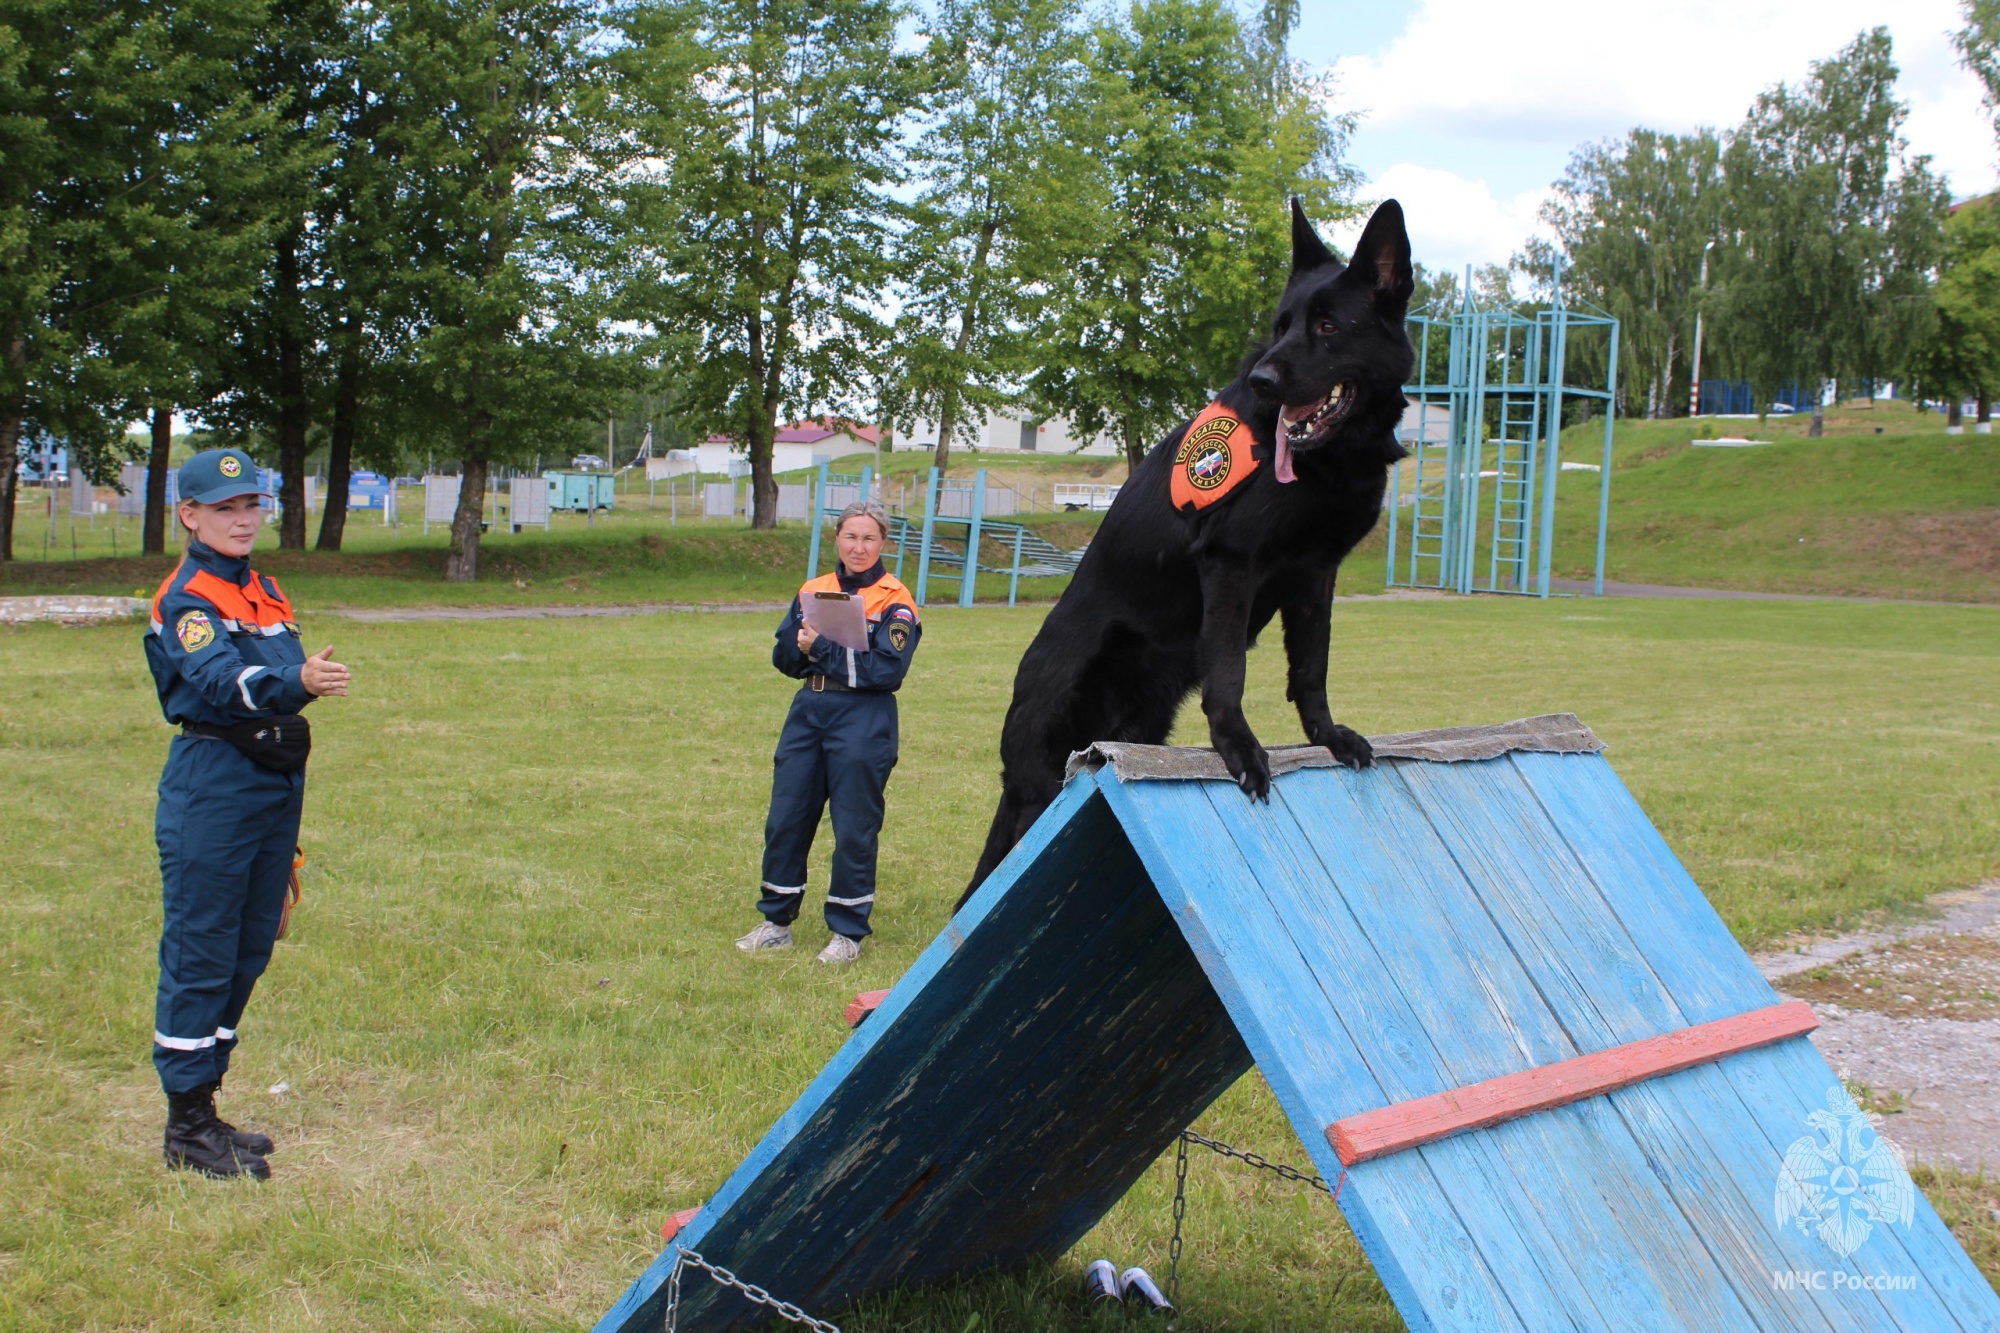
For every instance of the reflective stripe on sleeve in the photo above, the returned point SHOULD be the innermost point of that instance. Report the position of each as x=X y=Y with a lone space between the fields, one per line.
x=243 y=685
x=850 y=902
x=182 y=1043
x=225 y=1034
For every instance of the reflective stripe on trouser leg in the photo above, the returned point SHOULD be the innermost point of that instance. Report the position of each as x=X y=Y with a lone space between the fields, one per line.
x=798 y=796
x=226 y=830
x=860 y=752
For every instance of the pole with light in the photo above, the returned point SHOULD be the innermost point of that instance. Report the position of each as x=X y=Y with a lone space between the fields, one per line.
x=1694 y=384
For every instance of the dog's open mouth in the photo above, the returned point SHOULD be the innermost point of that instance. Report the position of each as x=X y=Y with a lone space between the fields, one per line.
x=1309 y=425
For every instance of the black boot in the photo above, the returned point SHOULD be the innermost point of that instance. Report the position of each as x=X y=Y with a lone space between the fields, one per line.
x=197 y=1141
x=248 y=1139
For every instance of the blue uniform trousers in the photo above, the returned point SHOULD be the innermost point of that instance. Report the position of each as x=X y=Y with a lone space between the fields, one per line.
x=836 y=750
x=227 y=830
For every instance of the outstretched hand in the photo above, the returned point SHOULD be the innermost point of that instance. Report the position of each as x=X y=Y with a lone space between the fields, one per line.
x=321 y=675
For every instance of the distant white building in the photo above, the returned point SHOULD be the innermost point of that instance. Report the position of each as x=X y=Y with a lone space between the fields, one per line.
x=1009 y=432
x=801 y=445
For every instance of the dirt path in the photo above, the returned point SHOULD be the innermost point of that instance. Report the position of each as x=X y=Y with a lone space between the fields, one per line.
x=400 y=613
x=1911 y=1015
x=1612 y=589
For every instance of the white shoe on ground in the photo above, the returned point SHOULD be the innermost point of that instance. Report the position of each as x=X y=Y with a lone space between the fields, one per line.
x=840 y=949
x=766 y=936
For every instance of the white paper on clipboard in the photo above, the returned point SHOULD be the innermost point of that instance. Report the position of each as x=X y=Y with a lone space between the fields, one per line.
x=838 y=616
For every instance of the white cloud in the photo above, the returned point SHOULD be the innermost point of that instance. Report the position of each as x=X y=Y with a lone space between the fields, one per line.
x=1472 y=93
x=1453 y=221
x=1577 y=69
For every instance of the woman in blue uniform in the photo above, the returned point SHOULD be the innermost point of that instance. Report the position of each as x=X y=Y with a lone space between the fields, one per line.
x=225 y=655
x=838 y=744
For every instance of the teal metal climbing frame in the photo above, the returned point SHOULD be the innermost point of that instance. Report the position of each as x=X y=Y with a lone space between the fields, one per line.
x=1500 y=410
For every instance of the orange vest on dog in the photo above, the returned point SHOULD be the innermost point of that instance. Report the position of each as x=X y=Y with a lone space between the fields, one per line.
x=1214 y=458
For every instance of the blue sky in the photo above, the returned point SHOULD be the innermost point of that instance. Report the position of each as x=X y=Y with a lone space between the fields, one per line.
x=1471 y=109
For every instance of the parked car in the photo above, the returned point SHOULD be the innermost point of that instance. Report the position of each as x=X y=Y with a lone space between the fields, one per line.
x=588 y=463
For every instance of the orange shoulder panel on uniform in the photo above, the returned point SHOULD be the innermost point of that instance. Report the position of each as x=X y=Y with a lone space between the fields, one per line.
x=1214 y=458
x=824 y=583
x=885 y=592
x=223 y=595
x=165 y=584
x=282 y=603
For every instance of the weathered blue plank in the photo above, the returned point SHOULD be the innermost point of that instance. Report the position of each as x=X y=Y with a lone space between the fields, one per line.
x=1431 y=941
x=1401 y=1213
x=1018 y=1007
x=1413 y=1022
x=1709 y=976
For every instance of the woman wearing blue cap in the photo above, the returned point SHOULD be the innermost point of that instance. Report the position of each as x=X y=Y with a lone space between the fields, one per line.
x=225 y=655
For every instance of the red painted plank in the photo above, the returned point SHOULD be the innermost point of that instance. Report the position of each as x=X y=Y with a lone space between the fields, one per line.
x=1391 y=1129
x=863 y=1005
x=677 y=1221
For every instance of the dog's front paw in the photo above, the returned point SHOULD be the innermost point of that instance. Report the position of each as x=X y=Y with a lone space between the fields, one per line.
x=1349 y=747
x=1251 y=768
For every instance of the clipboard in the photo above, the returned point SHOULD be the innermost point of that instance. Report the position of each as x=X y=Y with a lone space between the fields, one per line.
x=838 y=617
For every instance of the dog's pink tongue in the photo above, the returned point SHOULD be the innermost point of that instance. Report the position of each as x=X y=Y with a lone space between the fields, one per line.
x=1282 y=458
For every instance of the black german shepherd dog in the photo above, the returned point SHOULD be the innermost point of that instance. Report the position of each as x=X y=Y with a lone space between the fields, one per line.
x=1166 y=600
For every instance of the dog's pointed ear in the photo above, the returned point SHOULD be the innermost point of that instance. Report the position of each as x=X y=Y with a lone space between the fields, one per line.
x=1308 y=250
x=1382 y=258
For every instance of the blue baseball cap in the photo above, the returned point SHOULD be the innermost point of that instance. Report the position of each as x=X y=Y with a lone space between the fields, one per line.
x=215 y=475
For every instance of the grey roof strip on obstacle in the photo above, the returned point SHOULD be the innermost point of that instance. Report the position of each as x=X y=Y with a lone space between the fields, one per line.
x=1550 y=733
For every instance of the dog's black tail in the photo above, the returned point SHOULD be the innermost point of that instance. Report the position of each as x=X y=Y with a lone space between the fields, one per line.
x=1013 y=818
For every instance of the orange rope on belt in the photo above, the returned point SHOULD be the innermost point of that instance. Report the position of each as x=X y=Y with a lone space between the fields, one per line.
x=292 y=892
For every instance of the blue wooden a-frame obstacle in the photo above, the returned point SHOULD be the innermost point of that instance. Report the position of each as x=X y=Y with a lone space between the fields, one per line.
x=1476 y=979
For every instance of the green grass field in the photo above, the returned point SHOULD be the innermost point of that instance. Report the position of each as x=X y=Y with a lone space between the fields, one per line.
x=516 y=1036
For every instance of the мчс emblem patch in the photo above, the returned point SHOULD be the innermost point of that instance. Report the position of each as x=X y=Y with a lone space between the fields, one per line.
x=229 y=467
x=1213 y=459
x=899 y=635
x=194 y=631
x=1209 y=467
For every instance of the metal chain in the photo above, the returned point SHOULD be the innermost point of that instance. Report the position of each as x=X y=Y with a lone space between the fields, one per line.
x=751 y=1292
x=1180 y=1211
x=1286 y=1172
x=1188 y=1136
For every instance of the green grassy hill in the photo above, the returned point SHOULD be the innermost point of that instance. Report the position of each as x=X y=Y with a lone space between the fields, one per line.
x=1910 y=512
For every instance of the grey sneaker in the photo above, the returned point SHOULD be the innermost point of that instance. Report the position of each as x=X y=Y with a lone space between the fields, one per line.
x=766 y=936
x=840 y=949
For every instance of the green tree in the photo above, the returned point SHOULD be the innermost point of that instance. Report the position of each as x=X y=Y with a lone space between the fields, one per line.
x=1962 y=356
x=1978 y=44
x=1176 y=239
x=1833 y=227
x=994 y=165
x=1632 y=218
x=267 y=382
x=498 y=172
x=761 y=214
x=122 y=128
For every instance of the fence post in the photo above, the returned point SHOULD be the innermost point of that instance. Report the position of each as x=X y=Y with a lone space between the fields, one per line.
x=924 y=548
x=1014 y=583
x=969 y=573
x=815 y=507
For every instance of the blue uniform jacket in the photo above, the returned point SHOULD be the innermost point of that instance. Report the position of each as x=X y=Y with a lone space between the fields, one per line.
x=224 y=646
x=893 y=631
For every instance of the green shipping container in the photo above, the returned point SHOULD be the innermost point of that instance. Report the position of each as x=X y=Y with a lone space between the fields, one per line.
x=581 y=491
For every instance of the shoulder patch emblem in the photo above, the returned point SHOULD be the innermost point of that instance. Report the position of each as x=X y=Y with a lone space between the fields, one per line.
x=899 y=635
x=229 y=467
x=1214 y=457
x=902 y=612
x=194 y=630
